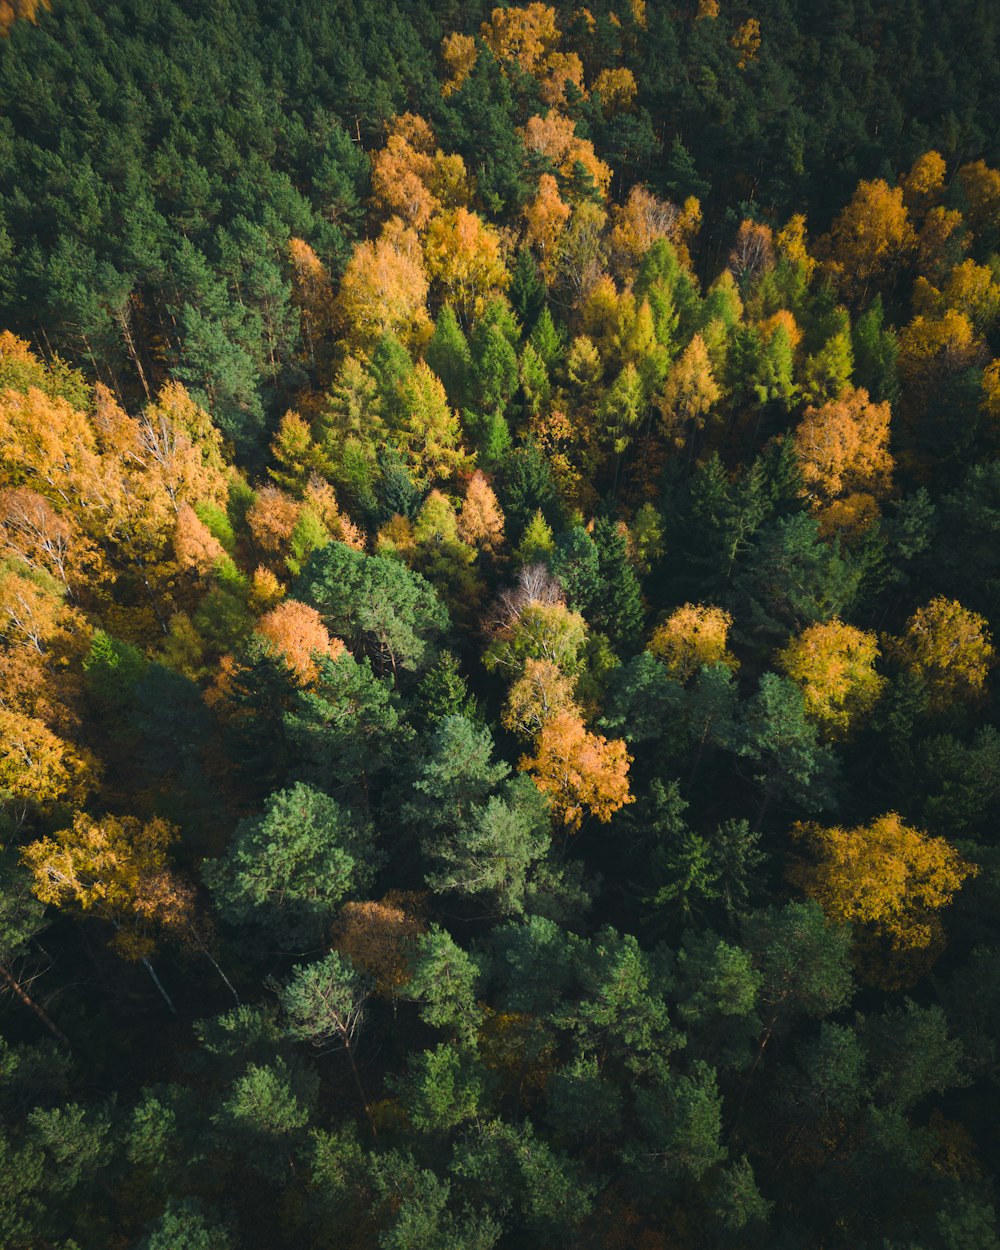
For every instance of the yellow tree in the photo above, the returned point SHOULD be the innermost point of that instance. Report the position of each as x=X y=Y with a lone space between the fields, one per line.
x=949 y=647
x=934 y=347
x=113 y=867
x=924 y=184
x=464 y=262
x=412 y=178
x=555 y=138
x=885 y=876
x=578 y=771
x=870 y=239
x=690 y=393
x=834 y=666
x=37 y=767
x=384 y=288
x=540 y=693
x=617 y=89
x=981 y=186
x=637 y=225
x=691 y=636
x=431 y=436
x=459 y=55
x=525 y=35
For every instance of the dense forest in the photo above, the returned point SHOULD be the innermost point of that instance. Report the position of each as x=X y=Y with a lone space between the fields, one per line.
x=499 y=570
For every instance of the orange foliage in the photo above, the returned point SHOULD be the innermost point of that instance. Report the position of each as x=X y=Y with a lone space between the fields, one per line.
x=481 y=521
x=377 y=937
x=297 y=633
x=37 y=766
x=271 y=519
x=546 y=217
x=412 y=177
x=196 y=549
x=579 y=771
x=24 y=10
x=843 y=447
x=555 y=138
x=312 y=293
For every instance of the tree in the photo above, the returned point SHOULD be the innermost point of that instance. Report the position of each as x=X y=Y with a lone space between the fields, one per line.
x=884 y=875
x=691 y=637
x=580 y=772
x=948 y=648
x=376 y=605
x=481 y=522
x=286 y=870
x=430 y=436
x=834 y=665
x=690 y=393
x=313 y=294
x=384 y=290
x=463 y=258
x=793 y=764
x=296 y=632
x=870 y=239
x=545 y=219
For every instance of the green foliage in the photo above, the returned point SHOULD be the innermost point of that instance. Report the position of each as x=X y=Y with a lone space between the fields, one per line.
x=286 y=870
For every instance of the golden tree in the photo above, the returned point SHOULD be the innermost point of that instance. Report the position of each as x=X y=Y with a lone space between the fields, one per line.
x=870 y=238
x=834 y=665
x=691 y=636
x=949 y=647
x=539 y=693
x=545 y=219
x=481 y=521
x=463 y=260
x=384 y=288
x=114 y=867
x=885 y=876
x=842 y=448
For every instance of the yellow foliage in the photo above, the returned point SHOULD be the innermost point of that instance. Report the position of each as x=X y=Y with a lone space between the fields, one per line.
x=459 y=55
x=949 y=647
x=981 y=186
x=617 y=89
x=555 y=138
x=885 y=876
x=924 y=183
x=790 y=242
x=481 y=521
x=870 y=239
x=691 y=636
x=834 y=665
x=37 y=766
x=464 y=260
x=115 y=867
x=746 y=41
x=384 y=288
x=539 y=693
x=545 y=218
